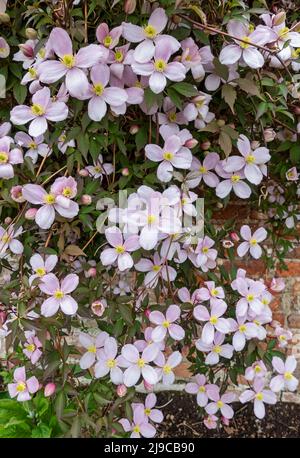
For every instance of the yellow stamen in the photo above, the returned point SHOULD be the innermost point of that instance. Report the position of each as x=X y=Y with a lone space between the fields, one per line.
x=68 y=60
x=37 y=109
x=40 y=271
x=107 y=41
x=141 y=363
x=58 y=294
x=3 y=157
x=21 y=387
x=250 y=159
x=119 y=56
x=217 y=349
x=160 y=65
x=245 y=43
x=111 y=363
x=220 y=404
x=235 y=178
x=49 y=199
x=150 y=31
x=250 y=297
x=67 y=192
x=259 y=396
x=98 y=89
x=30 y=347
x=288 y=376
x=156 y=268
x=120 y=249
x=242 y=328
x=213 y=319
x=151 y=219
x=253 y=242
x=167 y=369
x=166 y=324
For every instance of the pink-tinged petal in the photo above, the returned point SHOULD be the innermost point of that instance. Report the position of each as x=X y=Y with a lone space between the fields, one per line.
x=20 y=374
x=130 y=353
x=230 y=54
x=238 y=341
x=150 y=352
x=147 y=430
x=223 y=189
x=115 y=96
x=212 y=82
x=21 y=115
x=69 y=212
x=125 y=261
x=259 y=409
x=42 y=98
x=211 y=408
x=114 y=236
x=16 y=247
x=253 y=58
x=227 y=398
x=116 y=376
x=16 y=156
x=101 y=370
x=23 y=396
x=77 y=82
x=269 y=397
x=150 y=400
x=247 y=396
x=12 y=389
x=158 y=19
x=173 y=313
x=227 y=411
x=202 y=399
x=138 y=414
x=38 y=126
x=174 y=359
x=131 y=376
x=260 y=234
x=246 y=232
x=125 y=423
x=156 y=416
x=243 y=145
x=176 y=332
x=201 y=313
x=68 y=305
x=69 y=283
x=165 y=172
x=208 y=333
x=6 y=171
x=158 y=334
x=60 y=42
x=97 y=108
x=218 y=308
x=233 y=163
x=51 y=71
x=144 y=265
x=132 y=33
x=237 y=29
x=32 y=384
x=243 y=249
x=290 y=364
x=100 y=74
x=50 y=262
x=49 y=284
x=49 y=307
x=148 y=240
x=192 y=388
x=175 y=71
x=34 y=193
x=149 y=374
x=87 y=360
x=154 y=152
x=90 y=55
x=102 y=31
x=277 y=383
x=242 y=190
x=157 y=317
x=157 y=82
x=222 y=326
x=253 y=173
x=255 y=251
x=292 y=384
x=143 y=69
x=57 y=111
x=85 y=340
x=144 y=52
x=108 y=256
x=132 y=243
x=45 y=216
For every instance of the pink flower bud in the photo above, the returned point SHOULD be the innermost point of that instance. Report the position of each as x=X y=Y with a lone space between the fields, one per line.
x=148 y=386
x=205 y=145
x=27 y=50
x=227 y=244
x=92 y=272
x=4 y=18
x=292 y=174
x=297 y=110
x=83 y=173
x=220 y=123
x=277 y=285
x=255 y=144
x=191 y=143
x=30 y=214
x=8 y=220
x=3 y=317
x=125 y=172
x=269 y=135
x=129 y=6
x=98 y=307
x=31 y=33
x=225 y=421
x=147 y=313
x=121 y=390
x=134 y=129
x=234 y=236
x=49 y=389
x=86 y=199
x=16 y=194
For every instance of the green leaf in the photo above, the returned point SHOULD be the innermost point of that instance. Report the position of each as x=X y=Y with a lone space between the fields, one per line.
x=186 y=89
x=225 y=143
x=295 y=154
x=229 y=95
x=220 y=69
x=175 y=97
x=248 y=86
x=20 y=93
x=41 y=431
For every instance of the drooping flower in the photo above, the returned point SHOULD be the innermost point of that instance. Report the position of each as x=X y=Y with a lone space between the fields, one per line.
x=60 y=294
x=108 y=38
x=41 y=111
x=257 y=369
x=285 y=379
x=8 y=239
x=26 y=53
x=36 y=146
x=108 y=362
x=22 y=388
x=121 y=249
x=100 y=169
x=8 y=158
x=32 y=347
x=260 y=396
x=166 y=324
x=4 y=48
x=92 y=345
x=138 y=365
x=251 y=242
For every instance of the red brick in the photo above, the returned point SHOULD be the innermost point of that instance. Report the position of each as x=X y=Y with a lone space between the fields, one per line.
x=231 y=211
x=293 y=270
x=275 y=304
x=279 y=316
x=294 y=320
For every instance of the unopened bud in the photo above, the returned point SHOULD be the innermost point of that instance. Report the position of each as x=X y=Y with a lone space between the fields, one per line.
x=148 y=386
x=147 y=313
x=16 y=194
x=191 y=143
x=92 y=272
x=205 y=145
x=297 y=110
x=279 y=18
x=49 y=389
x=27 y=50
x=269 y=135
x=255 y=144
x=86 y=199
x=8 y=220
x=98 y=307
x=31 y=33
x=83 y=173
x=30 y=214
x=234 y=236
x=134 y=129
x=125 y=172
x=221 y=122
x=129 y=6
x=121 y=390
x=4 y=18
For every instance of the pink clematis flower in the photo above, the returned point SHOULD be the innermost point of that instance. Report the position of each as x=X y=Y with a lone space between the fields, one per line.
x=63 y=144
x=204 y=171
x=69 y=65
x=283 y=336
x=173 y=154
x=165 y=367
x=148 y=36
x=285 y=379
x=252 y=162
x=60 y=294
x=120 y=250
x=93 y=345
x=250 y=291
x=200 y=388
x=165 y=324
x=257 y=369
x=50 y=202
x=140 y=425
x=260 y=396
x=32 y=347
x=221 y=403
x=100 y=169
x=155 y=269
x=215 y=349
x=4 y=48
x=204 y=255
x=170 y=114
x=245 y=50
x=26 y=53
x=8 y=157
x=35 y=146
x=243 y=330
x=138 y=365
x=107 y=38
x=154 y=415
x=160 y=69
x=251 y=242
x=22 y=388
x=213 y=321
x=40 y=266
x=211 y=422
x=8 y=239
x=233 y=182
x=100 y=95
x=195 y=58
x=108 y=362
x=41 y=111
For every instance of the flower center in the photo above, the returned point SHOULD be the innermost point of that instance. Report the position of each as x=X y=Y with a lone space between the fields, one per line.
x=288 y=376
x=257 y=369
x=21 y=387
x=242 y=328
x=37 y=109
x=30 y=347
x=150 y=31
x=136 y=429
x=166 y=324
x=245 y=43
x=42 y=53
x=213 y=319
x=147 y=411
x=62 y=138
x=167 y=369
x=98 y=168
x=201 y=389
x=172 y=116
x=220 y=404
x=156 y=268
x=98 y=89
x=296 y=53
x=217 y=349
x=250 y=297
x=32 y=145
x=3 y=157
x=49 y=199
x=141 y=363
x=107 y=41
x=259 y=396
x=282 y=337
x=214 y=292
x=202 y=169
x=68 y=60
x=119 y=56
x=205 y=249
x=160 y=65
x=283 y=31
x=253 y=242
x=250 y=159
x=58 y=294
x=40 y=271
x=235 y=178
x=111 y=363
x=151 y=219
x=67 y=192
x=120 y=249
x=32 y=72
x=5 y=238
x=168 y=156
